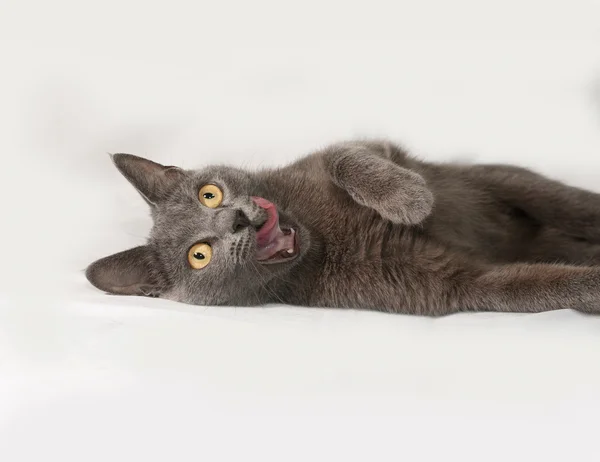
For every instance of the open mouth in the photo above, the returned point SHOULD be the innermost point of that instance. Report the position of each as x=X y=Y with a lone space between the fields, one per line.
x=273 y=243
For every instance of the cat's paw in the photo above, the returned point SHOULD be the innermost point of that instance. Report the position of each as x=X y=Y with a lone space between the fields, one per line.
x=410 y=203
x=398 y=194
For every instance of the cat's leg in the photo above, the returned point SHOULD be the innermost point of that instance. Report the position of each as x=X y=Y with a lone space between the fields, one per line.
x=572 y=210
x=446 y=286
x=532 y=288
x=396 y=193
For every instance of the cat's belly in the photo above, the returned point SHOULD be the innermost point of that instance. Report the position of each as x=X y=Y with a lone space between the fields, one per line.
x=496 y=234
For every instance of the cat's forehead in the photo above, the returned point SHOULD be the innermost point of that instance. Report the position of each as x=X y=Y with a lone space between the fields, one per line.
x=182 y=214
x=228 y=176
x=233 y=183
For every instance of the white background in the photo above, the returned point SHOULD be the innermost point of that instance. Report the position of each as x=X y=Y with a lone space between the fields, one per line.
x=85 y=376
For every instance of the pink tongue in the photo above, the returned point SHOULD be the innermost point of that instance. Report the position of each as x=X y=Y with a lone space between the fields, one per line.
x=270 y=239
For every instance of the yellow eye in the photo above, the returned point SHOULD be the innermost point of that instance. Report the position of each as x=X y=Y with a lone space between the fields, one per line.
x=199 y=256
x=210 y=196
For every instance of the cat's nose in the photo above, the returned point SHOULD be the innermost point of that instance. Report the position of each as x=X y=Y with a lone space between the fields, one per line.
x=240 y=221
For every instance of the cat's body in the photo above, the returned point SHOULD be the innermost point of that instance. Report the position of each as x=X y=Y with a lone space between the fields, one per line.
x=376 y=229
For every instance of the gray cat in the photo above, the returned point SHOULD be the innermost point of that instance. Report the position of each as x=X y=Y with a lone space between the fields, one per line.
x=362 y=225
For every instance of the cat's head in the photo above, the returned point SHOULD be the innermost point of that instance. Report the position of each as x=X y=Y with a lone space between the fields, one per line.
x=213 y=242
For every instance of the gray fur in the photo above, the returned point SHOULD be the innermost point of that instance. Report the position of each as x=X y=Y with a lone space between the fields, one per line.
x=378 y=229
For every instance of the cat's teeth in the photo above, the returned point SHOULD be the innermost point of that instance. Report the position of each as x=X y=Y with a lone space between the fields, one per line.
x=290 y=250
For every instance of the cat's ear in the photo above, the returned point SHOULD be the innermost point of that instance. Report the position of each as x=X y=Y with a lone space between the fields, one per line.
x=152 y=180
x=125 y=273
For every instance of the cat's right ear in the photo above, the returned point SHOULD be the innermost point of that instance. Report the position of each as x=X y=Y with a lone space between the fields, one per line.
x=125 y=273
x=152 y=180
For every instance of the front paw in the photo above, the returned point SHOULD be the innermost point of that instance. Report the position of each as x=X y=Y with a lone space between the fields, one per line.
x=398 y=194
x=408 y=202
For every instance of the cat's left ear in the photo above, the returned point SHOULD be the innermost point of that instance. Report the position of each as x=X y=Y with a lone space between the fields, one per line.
x=152 y=180
x=130 y=272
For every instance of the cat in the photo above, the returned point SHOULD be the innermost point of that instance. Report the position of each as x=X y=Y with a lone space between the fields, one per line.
x=365 y=225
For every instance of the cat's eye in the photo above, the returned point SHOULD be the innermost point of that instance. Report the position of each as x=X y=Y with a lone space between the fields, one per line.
x=210 y=196
x=199 y=255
